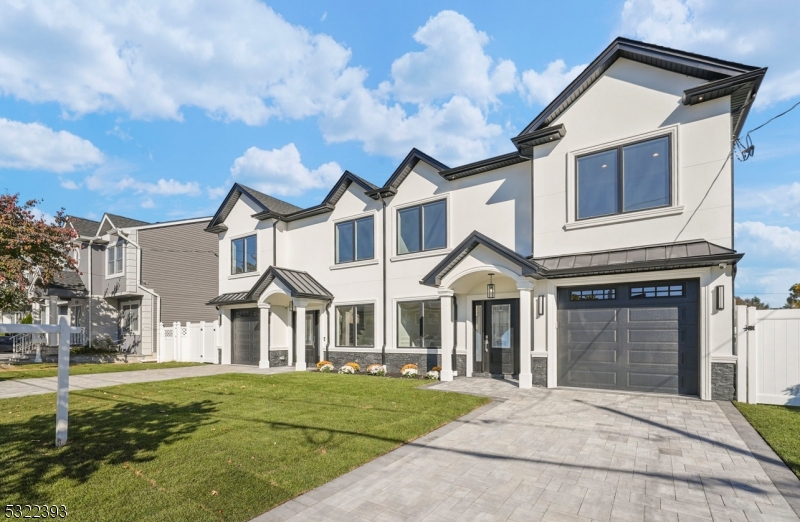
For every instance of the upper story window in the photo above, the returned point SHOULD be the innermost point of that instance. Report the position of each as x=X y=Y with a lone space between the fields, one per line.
x=244 y=254
x=355 y=240
x=114 y=259
x=422 y=227
x=626 y=178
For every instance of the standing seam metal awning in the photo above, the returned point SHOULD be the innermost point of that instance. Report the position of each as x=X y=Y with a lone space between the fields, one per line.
x=300 y=284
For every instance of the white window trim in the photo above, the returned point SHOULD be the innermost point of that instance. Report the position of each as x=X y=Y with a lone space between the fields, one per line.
x=393 y=334
x=376 y=311
x=675 y=206
x=244 y=274
x=361 y=262
x=393 y=226
x=124 y=248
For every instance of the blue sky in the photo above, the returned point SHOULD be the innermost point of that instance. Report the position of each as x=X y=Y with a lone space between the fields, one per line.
x=152 y=109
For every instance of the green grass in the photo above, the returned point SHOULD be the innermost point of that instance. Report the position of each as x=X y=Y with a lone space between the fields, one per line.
x=227 y=447
x=32 y=370
x=780 y=427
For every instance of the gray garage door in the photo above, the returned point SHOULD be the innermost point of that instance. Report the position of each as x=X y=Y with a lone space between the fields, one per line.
x=246 y=337
x=634 y=336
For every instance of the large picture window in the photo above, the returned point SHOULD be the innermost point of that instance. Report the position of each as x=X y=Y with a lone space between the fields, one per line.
x=114 y=259
x=244 y=255
x=624 y=179
x=355 y=325
x=355 y=240
x=422 y=227
x=419 y=324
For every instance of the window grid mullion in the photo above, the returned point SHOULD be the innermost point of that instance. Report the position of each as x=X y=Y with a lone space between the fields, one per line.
x=422 y=228
x=620 y=182
x=355 y=240
x=355 y=325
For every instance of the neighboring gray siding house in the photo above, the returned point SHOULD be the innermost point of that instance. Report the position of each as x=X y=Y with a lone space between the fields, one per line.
x=133 y=275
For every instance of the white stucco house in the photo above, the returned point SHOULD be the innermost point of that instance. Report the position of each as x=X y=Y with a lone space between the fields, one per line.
x=598 y=254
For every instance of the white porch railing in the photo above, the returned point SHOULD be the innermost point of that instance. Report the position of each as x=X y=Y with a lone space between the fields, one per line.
x=768 y=344
x=78 y=339
x=192 y=342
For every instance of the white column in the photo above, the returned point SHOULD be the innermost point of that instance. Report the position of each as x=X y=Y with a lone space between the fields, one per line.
x=525 y=333
x=226 y=334
x=62 y=397
x=300 y=334
x=446 y=303
x=263 y=322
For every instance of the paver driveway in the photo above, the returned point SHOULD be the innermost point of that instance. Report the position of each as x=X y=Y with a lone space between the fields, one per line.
x=559 y=455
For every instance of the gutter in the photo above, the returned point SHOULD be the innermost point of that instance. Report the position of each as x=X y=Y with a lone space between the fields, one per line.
x=383 y=292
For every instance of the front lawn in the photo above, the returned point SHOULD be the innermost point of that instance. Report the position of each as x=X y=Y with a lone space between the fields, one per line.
x=31 y=370
x=227 y=447
x=780 y=427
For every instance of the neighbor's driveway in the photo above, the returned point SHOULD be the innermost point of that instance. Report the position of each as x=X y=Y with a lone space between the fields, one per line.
x=561 y=455
x=23 y=387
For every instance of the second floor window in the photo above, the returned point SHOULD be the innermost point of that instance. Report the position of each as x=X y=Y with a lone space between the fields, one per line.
x=624 y=179
x=244 y=255
x=422 y=227
x=355 y=240
x=114 y=254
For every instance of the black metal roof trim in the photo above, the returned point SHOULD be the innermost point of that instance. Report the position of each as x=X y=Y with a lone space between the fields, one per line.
x=230 y=298
x=479 y=167
x=300 y=284
x=638 y=259
x=525 y=143
x=435 y=276
x=216 y=229
x=304 y=213
x=403 y=170
x=674 y=60
x=265 y=202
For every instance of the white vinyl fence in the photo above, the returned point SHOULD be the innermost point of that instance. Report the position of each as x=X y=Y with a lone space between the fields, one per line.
x=769 y=356
x=191 y=342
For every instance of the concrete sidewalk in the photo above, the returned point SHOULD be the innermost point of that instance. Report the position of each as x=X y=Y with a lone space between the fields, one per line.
x=24 y=387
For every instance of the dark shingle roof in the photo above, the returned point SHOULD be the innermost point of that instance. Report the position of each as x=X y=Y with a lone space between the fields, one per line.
x=124 y=222
x=84 y=227
x=67 y=284
x=637 y=259
x=299 y=284
x=274 y=204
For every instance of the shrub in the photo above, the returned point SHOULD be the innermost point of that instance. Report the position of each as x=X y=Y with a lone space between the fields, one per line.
x=346 y=369
x=436 y=369
x=103 y=343
x=326 y=368
x=409 y=370
x=323 y=363
x=354 y=366
x=28 y=319
x=432 y=375
x=376 y=369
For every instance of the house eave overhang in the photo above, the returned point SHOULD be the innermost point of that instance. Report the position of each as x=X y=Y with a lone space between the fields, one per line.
x=525 y=143
x=216 y=229
x=480 y=167
x=308 y=212
x=645 y=266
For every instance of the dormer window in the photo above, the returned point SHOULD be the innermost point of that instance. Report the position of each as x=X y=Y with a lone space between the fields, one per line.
x=244 y=255
x=114 y=259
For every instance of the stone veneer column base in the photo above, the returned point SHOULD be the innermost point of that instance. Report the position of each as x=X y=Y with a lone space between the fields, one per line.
x=278 y=358
x=539 y=370
x=723 y=381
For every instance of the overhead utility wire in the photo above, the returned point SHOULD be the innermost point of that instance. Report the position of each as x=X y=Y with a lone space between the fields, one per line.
x=748 y=150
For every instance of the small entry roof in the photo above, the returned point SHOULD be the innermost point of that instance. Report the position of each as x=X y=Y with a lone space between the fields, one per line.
x=300 y=284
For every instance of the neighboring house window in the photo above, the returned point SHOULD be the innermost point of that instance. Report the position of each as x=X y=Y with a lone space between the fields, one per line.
x=115 y=259
x=355 y=240
x=356 y=325
x=63 y=310
x=130 y=318
x=77 y=316
x=244 y=255
x=422 y=227
x=596 y=294
x=419 y=324
x=644 y=292
x=624 y=179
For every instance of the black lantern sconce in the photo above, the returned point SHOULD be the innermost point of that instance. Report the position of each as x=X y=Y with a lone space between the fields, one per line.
x=540 y=305
x=490 y=288
x=720 y=297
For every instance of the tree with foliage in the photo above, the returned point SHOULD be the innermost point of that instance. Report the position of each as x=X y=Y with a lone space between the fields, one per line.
x=793 y=301
x=752 y=301
x=32 y=251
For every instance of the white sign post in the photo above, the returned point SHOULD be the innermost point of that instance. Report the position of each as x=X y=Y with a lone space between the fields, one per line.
x=62 y=405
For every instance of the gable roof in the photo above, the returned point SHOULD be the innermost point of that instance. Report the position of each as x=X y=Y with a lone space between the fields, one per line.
x=682 y=62
x=403 y=170
x=265 y=202
x=300 y=284
x=67 y=284
x=435 y=276
x=124 y=222
x=684 y=254
x=84 y=227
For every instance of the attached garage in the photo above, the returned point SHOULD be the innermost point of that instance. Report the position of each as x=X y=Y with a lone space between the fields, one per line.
x=634 y=336
x=246 y=336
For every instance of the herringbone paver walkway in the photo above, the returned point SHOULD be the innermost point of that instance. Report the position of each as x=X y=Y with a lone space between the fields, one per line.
x=559 y=455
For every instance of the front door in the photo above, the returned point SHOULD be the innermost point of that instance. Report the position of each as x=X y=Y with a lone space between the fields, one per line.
x=496 y=336
x=312 y=341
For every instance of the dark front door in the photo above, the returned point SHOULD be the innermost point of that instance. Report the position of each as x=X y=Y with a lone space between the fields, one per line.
x=312 y=339
x=631 y=336
x=496 y=336
x=246 y=337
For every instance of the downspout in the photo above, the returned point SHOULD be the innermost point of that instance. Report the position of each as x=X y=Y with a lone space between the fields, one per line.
x=383 y=296
x=91 y=277
x=454 y=361
x=274 y=242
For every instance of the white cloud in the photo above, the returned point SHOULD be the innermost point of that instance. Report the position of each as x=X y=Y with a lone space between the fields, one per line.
x=783 y=200
x=770 y=284
x=218 y=192
x=116 y=178
x=69 y=184
x=771 y=261
x=33 y=146
x=147 y=203
x=281 y=171
x=452 y=63
x=543 y=87
x=763 y=241
x=40 y=214
x=760 y=34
